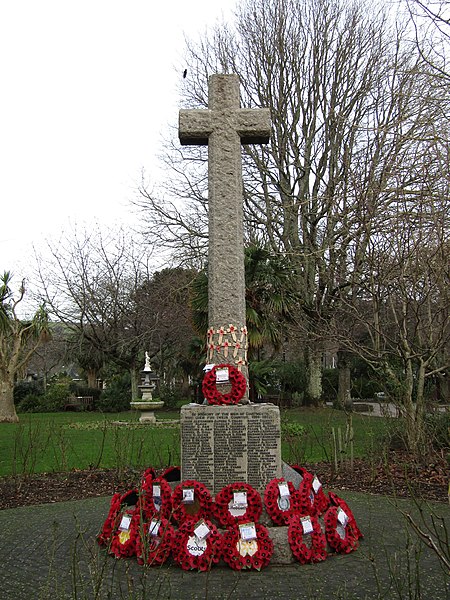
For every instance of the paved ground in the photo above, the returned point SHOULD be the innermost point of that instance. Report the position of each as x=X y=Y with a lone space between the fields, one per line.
x=49 y=552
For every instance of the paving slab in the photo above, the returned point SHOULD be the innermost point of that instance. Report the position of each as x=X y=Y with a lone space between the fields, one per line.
x=49 y=552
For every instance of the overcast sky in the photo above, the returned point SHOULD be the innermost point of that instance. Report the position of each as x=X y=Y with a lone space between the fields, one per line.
x=87 y=89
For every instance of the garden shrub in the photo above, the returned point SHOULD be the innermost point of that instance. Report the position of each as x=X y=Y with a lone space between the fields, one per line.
x=22 y=389
x=437 y=430
x=170 y=395
x=32 y=403
x=117 y=396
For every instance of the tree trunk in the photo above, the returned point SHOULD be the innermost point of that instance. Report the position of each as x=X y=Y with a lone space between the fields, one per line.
x=135 y=381
x=7 y=409
x=92 y=378
x=409 y=408
x=313 y=363
x=344 y=399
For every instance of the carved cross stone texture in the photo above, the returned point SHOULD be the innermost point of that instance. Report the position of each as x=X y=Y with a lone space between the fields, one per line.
x=224 y=126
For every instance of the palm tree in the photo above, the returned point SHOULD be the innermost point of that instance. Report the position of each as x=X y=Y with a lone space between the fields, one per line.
x=270 y=299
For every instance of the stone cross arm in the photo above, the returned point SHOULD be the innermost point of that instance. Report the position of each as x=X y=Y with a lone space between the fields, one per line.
x=224 y=116
x=251 y=125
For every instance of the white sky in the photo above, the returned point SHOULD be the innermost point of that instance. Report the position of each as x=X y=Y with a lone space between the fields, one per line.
x=88 y=87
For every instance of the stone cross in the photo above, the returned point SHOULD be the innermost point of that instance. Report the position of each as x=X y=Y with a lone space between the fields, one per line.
x=224 y=126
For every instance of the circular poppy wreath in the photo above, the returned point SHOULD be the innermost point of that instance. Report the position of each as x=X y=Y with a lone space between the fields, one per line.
x=336 y=500
x=152 y=549
x=223 y=504
x=238 y=386
x=190 y=552
x=306 y=494
x=171 y=474
x=151 y=505
x=303 y=552
x=123 y=543
x=312 y=502
x=201 y=507
x=341 y=538
x=278 y=511
x=240 y=554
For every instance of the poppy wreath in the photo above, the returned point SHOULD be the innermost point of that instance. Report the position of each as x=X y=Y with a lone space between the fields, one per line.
x=238 y=386
x=303 y=552
x=190 y=552
x=151 y=504
x=313 y=499
x=240 y=554
x=154 y=548
x=171 y=474
x=335 y=500
x=224 y=501
x=123 y=541
x=272 y=501
x=306 y=494
x=201 y=507
x=342 y=538
x=104 y=537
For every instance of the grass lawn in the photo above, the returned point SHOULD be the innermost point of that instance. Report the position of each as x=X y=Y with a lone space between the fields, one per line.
x=317 y=442
x=60 y=442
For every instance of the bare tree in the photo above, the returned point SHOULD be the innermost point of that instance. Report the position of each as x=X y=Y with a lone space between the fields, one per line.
x=89 y=283
x=19 y=339
x=350 y=108
x=396 y=313
x=431 y=22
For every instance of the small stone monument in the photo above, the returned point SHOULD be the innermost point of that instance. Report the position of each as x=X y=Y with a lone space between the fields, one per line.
x=224 y=444
x=147 y=405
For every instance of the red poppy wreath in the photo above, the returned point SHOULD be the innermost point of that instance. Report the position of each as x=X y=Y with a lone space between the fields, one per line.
x=313 y=500
x=241 y=551
x=281 y=500
x=155 y=498
x=197 y=545
x=154 y=542
x=238 y=386
x=237 y=502
x=306 y=539
x=340 y=533
x=191 y=500
x=126 y=526
x=336 y=500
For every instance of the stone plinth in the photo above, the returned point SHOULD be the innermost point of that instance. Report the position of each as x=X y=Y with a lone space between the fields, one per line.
x=224 y=444
x=147 y=407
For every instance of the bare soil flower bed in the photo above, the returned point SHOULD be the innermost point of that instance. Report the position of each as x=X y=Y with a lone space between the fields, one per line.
x=397 y=475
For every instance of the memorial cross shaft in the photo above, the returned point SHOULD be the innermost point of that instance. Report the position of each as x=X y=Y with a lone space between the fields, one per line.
x=224 y=127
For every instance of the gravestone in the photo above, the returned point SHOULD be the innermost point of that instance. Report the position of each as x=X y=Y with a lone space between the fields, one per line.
x=224 y=444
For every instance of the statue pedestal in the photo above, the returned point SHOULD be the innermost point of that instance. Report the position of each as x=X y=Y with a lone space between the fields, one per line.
x=147 y=408
x=225 y=444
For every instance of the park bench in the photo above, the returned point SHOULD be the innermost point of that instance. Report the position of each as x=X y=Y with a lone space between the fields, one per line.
x=79 y=403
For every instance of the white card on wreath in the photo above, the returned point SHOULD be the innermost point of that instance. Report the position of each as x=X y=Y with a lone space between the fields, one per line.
x=316 y=485
x=240 y=500
x=154 y=526
x=284 y=489
x=222 y=375
x=247 y=531
x=201 y=530
x=188 y=496
x=156 y=491
x=342 y=517
x=307 y=525
x=125 y=523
